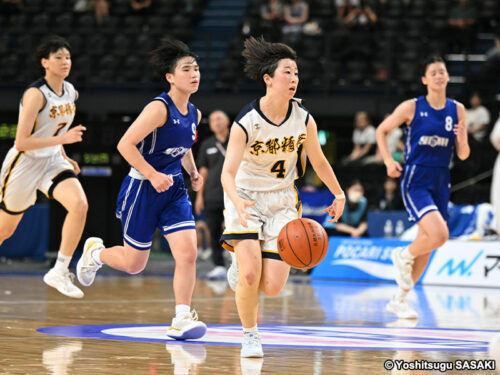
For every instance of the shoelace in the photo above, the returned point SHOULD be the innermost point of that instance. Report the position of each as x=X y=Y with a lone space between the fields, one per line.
x=252 y=338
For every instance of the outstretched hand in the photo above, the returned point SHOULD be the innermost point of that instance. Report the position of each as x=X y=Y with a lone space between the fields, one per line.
x=335 y=210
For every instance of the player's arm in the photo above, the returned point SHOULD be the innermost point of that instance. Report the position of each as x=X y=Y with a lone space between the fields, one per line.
x=460 y=130
x=33 y=101
x=152 y=116
x=234 y=155
x=402 y=114
x=189 y=166
x=323 y=169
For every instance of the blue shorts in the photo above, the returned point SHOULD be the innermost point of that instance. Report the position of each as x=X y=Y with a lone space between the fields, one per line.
x=425 y=189
x=142 y=209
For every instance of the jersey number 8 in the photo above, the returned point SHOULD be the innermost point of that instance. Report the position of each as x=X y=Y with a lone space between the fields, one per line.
x=448 y=124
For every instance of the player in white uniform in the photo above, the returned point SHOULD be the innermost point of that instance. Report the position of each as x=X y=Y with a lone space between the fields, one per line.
x=265 y=154
x=37 y=160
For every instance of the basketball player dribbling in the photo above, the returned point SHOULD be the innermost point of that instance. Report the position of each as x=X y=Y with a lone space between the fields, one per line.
x=37 y=160
x=265 y=154
x=157 y=146
x=434 y=126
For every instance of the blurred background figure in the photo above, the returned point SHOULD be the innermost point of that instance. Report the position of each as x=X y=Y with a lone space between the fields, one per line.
x=296 y=14
x=390 y=198
x=462 y=21
x=478 y=118
x=363 y=139
x=495 y=185
x=353 y=221
x=210 y=198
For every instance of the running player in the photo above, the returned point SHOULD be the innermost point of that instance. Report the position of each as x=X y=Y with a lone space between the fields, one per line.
x=157 y=145
x=434 y=126
x=265 y=154
x=37 y=160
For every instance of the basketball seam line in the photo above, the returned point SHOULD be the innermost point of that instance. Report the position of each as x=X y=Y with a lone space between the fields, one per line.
x=309 y=243
x=291 y=248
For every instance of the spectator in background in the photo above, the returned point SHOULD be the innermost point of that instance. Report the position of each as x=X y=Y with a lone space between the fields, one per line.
x=272 y=15
x=462 y=22
x=296 y=14
x=390 y=198
x=140 y=6
x=478 y=118
x=101 y=10
x=353 y=221
x=363 y=139
x=355 y=13
x=394 y=144
x=210 y=197
x=495 y=184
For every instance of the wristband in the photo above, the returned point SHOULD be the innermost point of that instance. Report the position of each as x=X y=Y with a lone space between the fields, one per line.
x=340 y=196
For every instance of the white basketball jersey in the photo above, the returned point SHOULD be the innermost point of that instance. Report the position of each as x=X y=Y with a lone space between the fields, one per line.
x=273 y=156
x=55 y=117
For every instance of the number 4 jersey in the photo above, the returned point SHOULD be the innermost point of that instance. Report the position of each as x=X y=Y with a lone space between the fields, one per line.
x=55 y=117
x=273 y=156
x=429 y=137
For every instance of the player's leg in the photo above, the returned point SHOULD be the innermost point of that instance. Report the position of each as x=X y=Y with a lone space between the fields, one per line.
x=185 y=324
x=214 y=222
x=274 y=276
x=249 y=259
x=8 y=224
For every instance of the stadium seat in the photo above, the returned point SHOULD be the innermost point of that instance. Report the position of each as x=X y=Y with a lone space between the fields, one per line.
x=86 y=24
x=64 y=24
x=40 y=23
x=32 y=6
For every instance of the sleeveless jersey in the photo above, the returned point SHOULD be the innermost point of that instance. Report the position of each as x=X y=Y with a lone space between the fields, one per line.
x=273 y=156
x=54 y=118
x=166 y=146
x=429 y=139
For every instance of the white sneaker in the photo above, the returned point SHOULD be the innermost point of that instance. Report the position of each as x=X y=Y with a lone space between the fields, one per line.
x=401 y=308
x=251 y=366
x=251 y=346
x=219 y=272
x=232 y=272
x=187 y=327
x=218 y=286
x=63 y=282
x=86 y=267
x=404 y=268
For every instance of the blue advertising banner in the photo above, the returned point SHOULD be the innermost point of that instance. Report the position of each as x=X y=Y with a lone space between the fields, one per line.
x=314 y=203
x=358 y=259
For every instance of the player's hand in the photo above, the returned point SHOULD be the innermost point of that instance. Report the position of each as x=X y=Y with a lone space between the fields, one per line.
x=161 y=181
x=199 y=204
x=73 y=135
x=196 y=181
x=241 y=207
x=74 y=164
x=336 y=209
x=394 y=169
x=460 y=131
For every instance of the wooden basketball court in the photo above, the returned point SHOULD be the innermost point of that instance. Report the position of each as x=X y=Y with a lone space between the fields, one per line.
x=316 y=327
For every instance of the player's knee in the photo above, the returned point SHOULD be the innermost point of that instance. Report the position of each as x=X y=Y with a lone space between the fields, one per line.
x=442 y=237
x=6 y=232
x=80 y=208
x=251 y=277
x=271 y=290
x=135 y=268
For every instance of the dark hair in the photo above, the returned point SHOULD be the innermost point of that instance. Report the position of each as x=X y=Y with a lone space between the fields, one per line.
x=50 y=45
x=431 y=60
x=355 y=182
x=263 y=57
x=164 y=59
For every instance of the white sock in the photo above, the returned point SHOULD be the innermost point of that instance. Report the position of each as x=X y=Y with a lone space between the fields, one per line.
x=181 y=310
x=401 y=294
x=62 y=262
x=406 y=254
x=96 y=256
x=253 y=329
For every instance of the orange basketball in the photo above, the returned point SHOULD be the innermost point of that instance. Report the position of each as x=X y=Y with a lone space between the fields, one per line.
x=302 y=243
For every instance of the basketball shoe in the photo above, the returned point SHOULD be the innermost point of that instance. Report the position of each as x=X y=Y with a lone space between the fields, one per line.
x=63 y=282
x=232 y=272
x=402 y=308
x=87 y=267
x=251 y=346
x=187 y=327
x=404 y=268
x=218 y=272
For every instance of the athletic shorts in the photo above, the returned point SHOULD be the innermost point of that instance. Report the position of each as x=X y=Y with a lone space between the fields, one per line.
x=425 y=189
x=271 y=212
x=142 y=209
x=23 y=175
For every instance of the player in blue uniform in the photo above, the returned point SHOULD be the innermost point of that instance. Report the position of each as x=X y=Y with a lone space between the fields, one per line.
x=157 y=145
x=435 y=125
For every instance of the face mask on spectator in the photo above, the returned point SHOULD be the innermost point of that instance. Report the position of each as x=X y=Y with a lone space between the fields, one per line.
x=355 y=196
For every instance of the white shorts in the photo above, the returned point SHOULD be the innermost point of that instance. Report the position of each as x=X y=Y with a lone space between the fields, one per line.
x=23 y=175
x=271 y=212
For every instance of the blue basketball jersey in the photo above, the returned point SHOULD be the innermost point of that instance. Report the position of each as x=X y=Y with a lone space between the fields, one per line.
x=165 y=146
x=429 y=139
